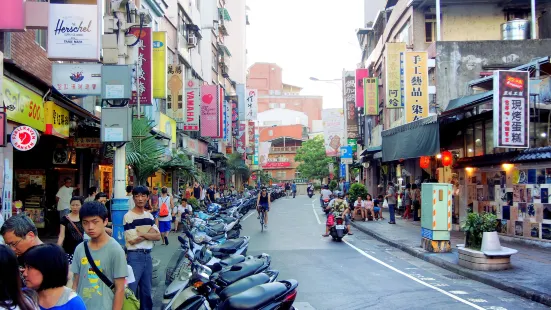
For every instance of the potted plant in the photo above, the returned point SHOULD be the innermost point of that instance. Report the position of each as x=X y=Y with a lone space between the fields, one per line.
x=475 y=226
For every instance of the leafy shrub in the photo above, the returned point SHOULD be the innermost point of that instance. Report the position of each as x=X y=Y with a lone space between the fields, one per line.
x=474 y=227
x=333 y=185
x=357 y=189
x=193 y=202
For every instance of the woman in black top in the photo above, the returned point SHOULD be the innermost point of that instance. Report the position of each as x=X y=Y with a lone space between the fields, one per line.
x=71 y=232
x=197 y=191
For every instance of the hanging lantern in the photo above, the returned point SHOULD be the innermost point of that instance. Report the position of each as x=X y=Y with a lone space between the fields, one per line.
x=424 y=162
x=447 y=158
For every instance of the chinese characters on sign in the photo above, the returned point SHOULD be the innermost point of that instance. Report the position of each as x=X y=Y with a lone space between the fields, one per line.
x=251 y=104
x=57 y=120
x=160 y=67
x=174 y=100
x=234 y=117
x=256 y=145
x=361 y=74
x=350 y=100
x=416 y=86
x=511 y=114
x=193 y=106
x=77 y=79
x=242 y=138
x=392 y=71
x=250 y=135
x=143 y=72
x=371 y=88
x=211 y=111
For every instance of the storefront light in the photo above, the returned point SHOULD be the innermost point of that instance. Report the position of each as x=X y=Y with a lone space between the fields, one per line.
x=469 y=169
x=470 y=150
x=439 y=156
x=543 y=134
x=507 y=166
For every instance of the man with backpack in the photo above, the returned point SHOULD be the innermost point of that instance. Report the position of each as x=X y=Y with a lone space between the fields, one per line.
x=165 y=205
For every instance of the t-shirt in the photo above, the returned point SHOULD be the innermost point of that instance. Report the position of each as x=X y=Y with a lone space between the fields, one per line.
x=392 y=198
x=64 y=194
x=165 y=200
x=111 y=261
x=210 y=193
x=91 y=198
x=178 y=210
x=131 y=204
x=294 y=187
x=69 y=300
x=72 y=237
x=134 y=222
x=325 y=193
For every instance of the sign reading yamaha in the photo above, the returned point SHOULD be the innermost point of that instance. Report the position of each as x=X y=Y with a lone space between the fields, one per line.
x=24 y=138
x=73 y=30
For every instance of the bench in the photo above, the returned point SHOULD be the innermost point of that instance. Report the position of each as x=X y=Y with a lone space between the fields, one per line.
x=491 y=257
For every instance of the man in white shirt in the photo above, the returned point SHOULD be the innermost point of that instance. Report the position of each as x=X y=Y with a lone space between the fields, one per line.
x=325 y=194
x=63 y=197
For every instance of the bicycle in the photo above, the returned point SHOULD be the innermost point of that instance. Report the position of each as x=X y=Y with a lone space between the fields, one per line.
x=261 y=213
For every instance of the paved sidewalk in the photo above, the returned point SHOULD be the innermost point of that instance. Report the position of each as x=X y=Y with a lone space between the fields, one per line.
x=530 y=276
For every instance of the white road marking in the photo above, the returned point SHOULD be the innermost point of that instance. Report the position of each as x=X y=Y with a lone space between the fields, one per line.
x=315 y=213
x=477 y=300
x=459 y=292
x=247 y=216
x=412 y=277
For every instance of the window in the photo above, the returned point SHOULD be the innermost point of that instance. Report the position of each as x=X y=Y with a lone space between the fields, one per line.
x=430 y=28
x=489 y=136
x=41 y=38
x=183 y=29
x=469 y=141
x=478 y=139
x=281 y=175
x=403 y=36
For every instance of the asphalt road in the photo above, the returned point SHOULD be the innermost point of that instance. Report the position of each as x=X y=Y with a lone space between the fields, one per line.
x=360 y=273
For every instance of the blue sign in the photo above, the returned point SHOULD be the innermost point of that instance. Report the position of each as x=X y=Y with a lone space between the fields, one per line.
x=346 y=152
x=342 y=171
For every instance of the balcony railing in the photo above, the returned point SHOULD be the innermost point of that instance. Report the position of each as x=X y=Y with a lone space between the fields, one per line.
x=284 y=149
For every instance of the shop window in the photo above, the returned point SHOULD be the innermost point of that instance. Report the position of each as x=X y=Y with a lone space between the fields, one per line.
x=41 y=38
x=478 y=139
x=469 y=142
x=430 y=28
x=489 y=137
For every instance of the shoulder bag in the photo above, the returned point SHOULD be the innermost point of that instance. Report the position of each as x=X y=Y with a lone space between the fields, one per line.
x=130 y=301
x=74 y=226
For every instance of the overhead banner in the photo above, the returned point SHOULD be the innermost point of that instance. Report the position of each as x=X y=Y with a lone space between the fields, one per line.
x=174 y=100
x=227 y=121
x=256 y=145
x=416 y=85
x=511 y=110
x=142 y=76
x=263 y=152
x=393 y=74
x=57 y=120
x=350 y=103
x=211 y=111
x=333 y=130
x=251 y=105
x=361 y=74
x=12 y=15
x=77 y=78
x=371 y=89
x=193 y=105
x=74 y=31
x=250 y=137
x=23 y=105
x=159 y=64
x=242 y=138
x=234 y=117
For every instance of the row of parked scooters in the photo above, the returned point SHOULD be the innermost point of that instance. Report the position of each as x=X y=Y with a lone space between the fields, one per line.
x=211 y=269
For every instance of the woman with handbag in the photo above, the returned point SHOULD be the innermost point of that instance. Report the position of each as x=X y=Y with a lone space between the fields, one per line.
x=71 y=232
x=416 y=201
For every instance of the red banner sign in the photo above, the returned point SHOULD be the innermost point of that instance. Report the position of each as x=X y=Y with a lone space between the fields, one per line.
x=275 y=165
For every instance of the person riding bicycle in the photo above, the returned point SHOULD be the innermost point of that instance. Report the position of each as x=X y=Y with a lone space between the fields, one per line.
x=338 y=208
x=263 y=201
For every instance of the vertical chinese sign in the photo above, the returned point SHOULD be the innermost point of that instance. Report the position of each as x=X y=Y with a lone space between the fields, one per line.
x=371 y=88
x=211 y=111
x=511 y=112
x=234 y=117
x=392 y=75
x=333 y=130
x=256 y=145
x=350 y=100
x=242 y=138
x=142 y=76
x=416 y=86
x=251 y=104
x=193 y=106
x=361 y=74
x=250 y=135
x=175 y=84
x=159 y=64
x=227 y=121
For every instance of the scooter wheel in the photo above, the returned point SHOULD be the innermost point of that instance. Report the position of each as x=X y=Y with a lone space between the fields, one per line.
x=338 y=239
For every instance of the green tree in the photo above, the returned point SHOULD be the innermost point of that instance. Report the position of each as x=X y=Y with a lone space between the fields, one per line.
x=235 y=165
x=357 y=189
x=314 y=164
x=143 y=153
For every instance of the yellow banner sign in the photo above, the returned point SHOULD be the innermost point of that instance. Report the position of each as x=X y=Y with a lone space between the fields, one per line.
x=57 y=120
x=159 y=64
x=416 y=85
x=371 y=89
x=393 y=75
x=174 y=101
x=23 y=105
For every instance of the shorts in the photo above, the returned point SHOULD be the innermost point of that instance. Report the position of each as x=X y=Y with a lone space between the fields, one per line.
x=376 y=209
x=155 y=214
x=265 y=207
x=164 y=226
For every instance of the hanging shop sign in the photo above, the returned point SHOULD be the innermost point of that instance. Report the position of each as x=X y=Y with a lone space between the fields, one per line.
x=3 y=122
x=251 y=104
x=87 y=143
x=175 y=85
x=12 y=15
x=256 y=145
x=416 y=86
x=211 y=111
x=77 y=79
x=234 y=117
x=226 y=121
x=250 y=137
x=242 y=138
x=353 y=143
x=349 y=101
x=193 y=106
x=361 y=74
x=142 y=75
x=74 y=31
x=371 y=89
x=24 y=138
x=23 y=105
x=275 y=165
x=333 y=130
x=393 y=74
x=57 y=120
x=159 y=64
x=511 y=113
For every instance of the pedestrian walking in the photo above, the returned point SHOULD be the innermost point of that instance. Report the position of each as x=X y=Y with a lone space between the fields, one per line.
x=166 y=204
x=294 y=189
x=46 y=271
x=416 y=201
x=12 y=296
x=71 y=232
x=20 y=234
x=63 y=197
x=153 y=204
x=140 y=231
x=129 y=195
x=391 y=200
x=105 y=255
x=406 y=200
x=92 y=191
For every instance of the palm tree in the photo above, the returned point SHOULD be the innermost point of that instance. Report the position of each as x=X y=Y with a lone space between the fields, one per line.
x=235 y=165
x=144 y=153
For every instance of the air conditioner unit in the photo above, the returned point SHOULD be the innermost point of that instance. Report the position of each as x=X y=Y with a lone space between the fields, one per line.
x=61 y=156
x=192 y=41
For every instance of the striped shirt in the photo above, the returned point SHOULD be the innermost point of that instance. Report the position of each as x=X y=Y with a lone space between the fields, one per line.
x=134 y=222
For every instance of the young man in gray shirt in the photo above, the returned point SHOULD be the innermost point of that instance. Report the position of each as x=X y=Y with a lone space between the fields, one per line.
x=391 y=199
x=108 y=256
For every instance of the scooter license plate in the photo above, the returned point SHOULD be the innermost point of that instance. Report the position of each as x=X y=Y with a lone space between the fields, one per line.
x=339 y=226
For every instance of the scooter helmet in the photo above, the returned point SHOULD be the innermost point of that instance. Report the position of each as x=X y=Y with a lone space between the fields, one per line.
x=340 y=195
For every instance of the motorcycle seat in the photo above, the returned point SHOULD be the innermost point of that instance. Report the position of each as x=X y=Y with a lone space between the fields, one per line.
x=256 y=297
x=240 y=271
x=229 y=247
x=243 y=285
x=218 y=227
x=227 y=262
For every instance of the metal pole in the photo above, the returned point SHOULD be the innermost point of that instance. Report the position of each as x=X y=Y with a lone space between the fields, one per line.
x=438 y=34
x=345 y=117
x=533 y=7
x=119 y=164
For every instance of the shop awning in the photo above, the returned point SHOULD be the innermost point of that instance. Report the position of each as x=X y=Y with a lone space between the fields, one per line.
x=534 y=154
x=486 y=160
x=412 y=140
x=371 y=150
x=224 y=50
x=224 y=14
x=468 y=100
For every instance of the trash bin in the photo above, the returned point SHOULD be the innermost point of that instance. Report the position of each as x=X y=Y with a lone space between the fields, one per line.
x=119 y=207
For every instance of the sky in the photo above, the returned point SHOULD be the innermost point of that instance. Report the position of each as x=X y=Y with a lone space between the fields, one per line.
x=307 y=38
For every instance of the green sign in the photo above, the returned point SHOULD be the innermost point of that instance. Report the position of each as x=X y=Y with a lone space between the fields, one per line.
x=353 y=143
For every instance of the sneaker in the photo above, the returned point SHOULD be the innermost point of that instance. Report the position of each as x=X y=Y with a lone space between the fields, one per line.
x=265 y=226
x=258 y=217
x=166 y=240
